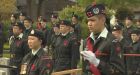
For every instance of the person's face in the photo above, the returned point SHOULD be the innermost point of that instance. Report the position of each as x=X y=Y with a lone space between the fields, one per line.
x=12 y=19
x=21 y=18
x=56 y=29
x=43 y=24
x=16 y=30
x=33 y=42
x=64 y=29
x=128 y=22
x=117 y=34
x=134 y=37
x=138 y=24
x=95 y=24
x=74 y=20
x=27 y=24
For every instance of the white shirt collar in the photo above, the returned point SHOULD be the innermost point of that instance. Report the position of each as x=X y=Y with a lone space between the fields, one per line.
x=35 y=52
x=102 y=34
x=20 y=35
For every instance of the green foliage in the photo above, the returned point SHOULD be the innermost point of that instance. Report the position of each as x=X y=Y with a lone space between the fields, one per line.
x=67 y=12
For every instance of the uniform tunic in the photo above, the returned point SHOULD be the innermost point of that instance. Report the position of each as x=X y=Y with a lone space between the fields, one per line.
x=104 y=48
x=66 y=53
x=38 y=64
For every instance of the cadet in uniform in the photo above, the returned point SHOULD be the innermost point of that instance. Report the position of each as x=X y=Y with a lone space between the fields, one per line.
x=76 y=26
x=121 y=43
x=128 y=28
x=18 y=48
x=66 y=49
x=100 y=56
x=36 y=62
x=28 y=27
x=22 y=16
x=134 y=61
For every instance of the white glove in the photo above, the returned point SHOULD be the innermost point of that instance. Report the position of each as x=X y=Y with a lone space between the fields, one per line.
x=90 y=56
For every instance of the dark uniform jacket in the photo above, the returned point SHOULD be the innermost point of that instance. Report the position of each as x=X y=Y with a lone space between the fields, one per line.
x=133 y=62
x=110 y=62
x=66 y=53
x=127 y=33
x=18 y=49
x=38 y=64
x=26 y=33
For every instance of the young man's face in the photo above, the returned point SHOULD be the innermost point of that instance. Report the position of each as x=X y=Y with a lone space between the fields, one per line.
x=117 y=34
x=135 y=37
x=95 y=24
x=43 y=24
x=64 y=29
x=16 y=30
x=56 y=29
x=128 y=22
x=74 y=20
x=21 y=18
x=27 y=24
x=12 y=19
x=34 y=42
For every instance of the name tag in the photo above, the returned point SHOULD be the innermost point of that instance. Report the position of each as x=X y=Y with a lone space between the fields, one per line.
x=23 y=68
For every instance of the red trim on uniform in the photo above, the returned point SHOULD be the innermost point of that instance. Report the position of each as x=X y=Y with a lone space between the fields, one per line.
x=93 y=69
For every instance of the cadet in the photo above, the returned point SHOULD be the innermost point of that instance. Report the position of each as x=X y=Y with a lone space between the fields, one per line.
x=100 y=56
x=66 y=49
x=36 y=62
x=134 y=61
x=18 y=48
x=22 y=16
x=128 y=28
x=28 y=27
x=76 y=26
x=121 y=43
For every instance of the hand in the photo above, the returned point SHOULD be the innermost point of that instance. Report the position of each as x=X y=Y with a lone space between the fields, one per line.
x=90 y=56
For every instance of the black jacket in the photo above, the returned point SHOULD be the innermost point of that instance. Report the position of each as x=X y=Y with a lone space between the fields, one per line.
x=66 y=52
x=110 y=64
x=39 y=64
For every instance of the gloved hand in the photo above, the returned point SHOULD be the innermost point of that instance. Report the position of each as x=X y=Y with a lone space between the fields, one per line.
x=90 y=56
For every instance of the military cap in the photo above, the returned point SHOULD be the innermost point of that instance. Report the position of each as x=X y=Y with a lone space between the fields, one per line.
x=54 y=16
x=28 y=19
x=37 y=33
x=129 y=17
x=135 y=31
x=116 y=27
x=20 y=25
x=95 y=9
x=22 y=14
x=44 y=20
x=56 y=25
x=14 y=15
x=65 y=22
x=76 y=16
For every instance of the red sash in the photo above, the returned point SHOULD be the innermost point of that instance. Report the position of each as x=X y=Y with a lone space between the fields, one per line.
x=93 y=69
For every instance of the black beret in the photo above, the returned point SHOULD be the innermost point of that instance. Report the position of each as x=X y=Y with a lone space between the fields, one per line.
x=56 y=25
x=116 y=27
x=136 y=31
x=14 y=15
x=96 y=9
x=37 y=33
x=28 y=19
x=54 y=16
x=74 y=15
x=22 y=14
x=20 y=25
x=129 y=18
x=65 y=22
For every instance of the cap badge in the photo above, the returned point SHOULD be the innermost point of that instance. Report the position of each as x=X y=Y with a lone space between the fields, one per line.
x=32 y=32
x=96 y=11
